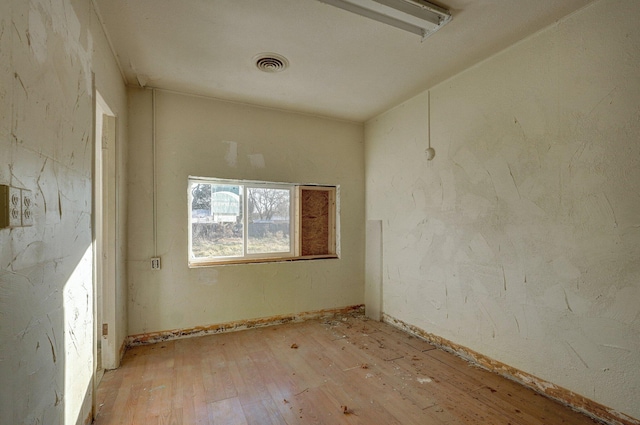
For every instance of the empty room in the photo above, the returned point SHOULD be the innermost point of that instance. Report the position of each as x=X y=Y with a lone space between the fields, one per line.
x=319 y=212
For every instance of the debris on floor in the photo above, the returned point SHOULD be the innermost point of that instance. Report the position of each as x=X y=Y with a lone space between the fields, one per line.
x=346 y=410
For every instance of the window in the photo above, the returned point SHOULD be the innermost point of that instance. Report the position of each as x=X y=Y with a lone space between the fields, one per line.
x=236 y=221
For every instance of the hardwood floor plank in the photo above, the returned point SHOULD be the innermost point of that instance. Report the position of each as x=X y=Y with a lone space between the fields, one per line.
x=245 y=374
x=196 y=408
x=263 y=412
x=304 y=373
x=171 y=417
x=137 y=404
x=314 y=407
x=217 y=379
x=358 y=407
x=228 y=412
x=194 y=403
x=520 y=397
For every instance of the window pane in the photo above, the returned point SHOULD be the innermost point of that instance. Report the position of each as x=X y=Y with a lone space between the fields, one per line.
x=268 y=224
x=216 y=220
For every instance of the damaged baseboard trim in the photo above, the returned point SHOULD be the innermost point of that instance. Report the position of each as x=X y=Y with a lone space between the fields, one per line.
x=153 y=337
x=575 y=401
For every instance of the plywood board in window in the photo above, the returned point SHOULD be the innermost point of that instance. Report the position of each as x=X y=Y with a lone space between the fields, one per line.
x=317 y=221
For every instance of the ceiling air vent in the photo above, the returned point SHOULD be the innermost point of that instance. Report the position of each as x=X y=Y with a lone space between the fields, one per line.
x=271 y=62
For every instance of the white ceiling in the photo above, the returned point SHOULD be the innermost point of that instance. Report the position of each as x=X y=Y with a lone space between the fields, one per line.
x=341 y=65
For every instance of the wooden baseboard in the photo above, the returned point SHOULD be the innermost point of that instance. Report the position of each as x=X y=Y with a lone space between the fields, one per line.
x=153 y=337
x=577 y=402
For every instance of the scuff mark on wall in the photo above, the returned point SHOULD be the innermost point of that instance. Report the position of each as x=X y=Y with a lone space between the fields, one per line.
x=613 y=214
x=26 y=255
x=566 y=301
x=44 y=199
x=53 y=350
x=616 y=347
x=26 y=93
x=602 y=99
x=504 y=279
x=514 y=180
x=577 y=355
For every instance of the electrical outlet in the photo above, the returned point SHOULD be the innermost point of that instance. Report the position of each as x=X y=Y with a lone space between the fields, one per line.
x=10 y=206
x=27 y=207
x=155 y=263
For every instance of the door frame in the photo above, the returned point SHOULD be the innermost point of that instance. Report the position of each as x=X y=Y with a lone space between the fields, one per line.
x=105 y=207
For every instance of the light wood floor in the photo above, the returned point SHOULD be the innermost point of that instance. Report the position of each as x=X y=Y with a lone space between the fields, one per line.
x=343 y=371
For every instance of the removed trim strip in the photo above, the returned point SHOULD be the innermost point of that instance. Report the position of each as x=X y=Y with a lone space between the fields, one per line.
x=153 y=337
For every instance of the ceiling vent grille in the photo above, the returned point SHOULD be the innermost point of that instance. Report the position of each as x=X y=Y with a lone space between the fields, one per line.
x=271 y=62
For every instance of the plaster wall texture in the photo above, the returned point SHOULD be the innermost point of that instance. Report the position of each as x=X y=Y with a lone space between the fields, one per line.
x=210 y=138
x=521 y=239
x=48 y=53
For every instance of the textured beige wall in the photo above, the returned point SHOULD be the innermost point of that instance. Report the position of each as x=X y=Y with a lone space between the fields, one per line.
x=204 y=137
x=48 y=52
x=521 y=239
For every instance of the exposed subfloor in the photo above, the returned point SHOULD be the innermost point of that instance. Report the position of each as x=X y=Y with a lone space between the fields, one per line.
x=346 y=370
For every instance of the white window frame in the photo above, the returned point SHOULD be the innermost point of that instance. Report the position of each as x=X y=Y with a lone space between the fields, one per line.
x=294 y=223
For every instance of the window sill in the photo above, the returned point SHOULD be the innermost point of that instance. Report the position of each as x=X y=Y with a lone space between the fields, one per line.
x=260 y=260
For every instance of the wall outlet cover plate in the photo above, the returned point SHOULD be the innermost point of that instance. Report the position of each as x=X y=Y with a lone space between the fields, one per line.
x=155 y=263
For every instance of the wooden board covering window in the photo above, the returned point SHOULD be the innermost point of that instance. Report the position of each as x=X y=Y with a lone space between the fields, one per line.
x=316 y=223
